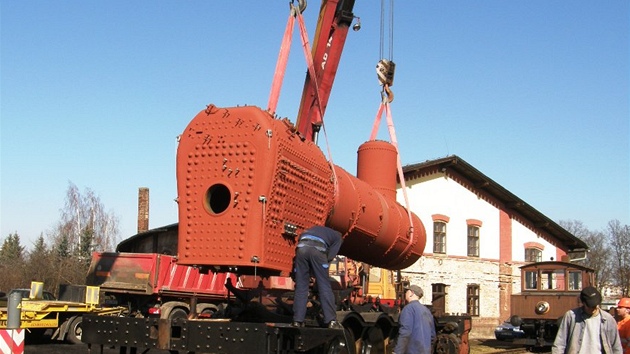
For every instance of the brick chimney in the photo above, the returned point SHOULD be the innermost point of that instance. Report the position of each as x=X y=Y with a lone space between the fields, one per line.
x=143 y=209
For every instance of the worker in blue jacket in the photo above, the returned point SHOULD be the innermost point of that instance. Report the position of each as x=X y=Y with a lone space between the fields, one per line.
x=416 y=331
x=316 y=248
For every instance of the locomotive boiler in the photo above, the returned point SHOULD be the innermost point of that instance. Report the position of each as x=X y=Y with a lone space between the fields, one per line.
x=249 y=183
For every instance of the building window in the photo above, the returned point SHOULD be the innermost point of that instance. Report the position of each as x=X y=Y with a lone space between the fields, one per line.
x=473 y=241
x=533 y=255
x=439 y=237
x=438 y=291
x=472 y=299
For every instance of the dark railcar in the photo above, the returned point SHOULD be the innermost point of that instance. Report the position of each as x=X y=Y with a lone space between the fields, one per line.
x=548 y=290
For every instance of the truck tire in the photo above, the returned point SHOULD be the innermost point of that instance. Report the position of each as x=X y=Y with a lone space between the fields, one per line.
x=342 y=344
x=447 y=343
x=75 y=330
x=373 y=342
x=178 y=313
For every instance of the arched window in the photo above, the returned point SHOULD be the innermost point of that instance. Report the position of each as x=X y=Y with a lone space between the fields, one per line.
x=473 y=237
x=439 y=237
x=533 y=254
x=439 y=233
x=533 y=251
x=473 y=241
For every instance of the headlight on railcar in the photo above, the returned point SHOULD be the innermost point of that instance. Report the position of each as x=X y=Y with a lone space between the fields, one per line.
x=542 y=307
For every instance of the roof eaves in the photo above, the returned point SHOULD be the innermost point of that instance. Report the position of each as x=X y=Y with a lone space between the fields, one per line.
x=481 y=181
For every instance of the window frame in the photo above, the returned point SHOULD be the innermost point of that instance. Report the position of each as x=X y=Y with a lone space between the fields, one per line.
x=533 y=254
x=472 y=299
x=441 y=235
x=574 y=279
x=473 y=240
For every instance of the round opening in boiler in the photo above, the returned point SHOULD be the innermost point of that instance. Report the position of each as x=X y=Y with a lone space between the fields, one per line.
x=218 y=199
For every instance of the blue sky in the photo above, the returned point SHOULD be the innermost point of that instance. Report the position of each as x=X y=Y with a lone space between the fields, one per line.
x=534 y=94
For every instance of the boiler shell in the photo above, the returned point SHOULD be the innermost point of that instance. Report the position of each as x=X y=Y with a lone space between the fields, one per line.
x=247 y=181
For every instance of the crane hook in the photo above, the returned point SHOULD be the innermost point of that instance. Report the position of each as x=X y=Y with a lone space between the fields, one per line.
x=387 y=94
x=301 y=7
x=385 y=71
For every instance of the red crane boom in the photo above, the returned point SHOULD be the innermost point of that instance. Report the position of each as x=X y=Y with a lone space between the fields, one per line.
x=335 y=18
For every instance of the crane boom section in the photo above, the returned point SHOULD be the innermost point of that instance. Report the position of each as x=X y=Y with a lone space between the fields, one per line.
x=334 y=20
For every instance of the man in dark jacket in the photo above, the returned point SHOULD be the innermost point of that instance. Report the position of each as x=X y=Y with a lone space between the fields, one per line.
x=316 y=248
x=416 y=331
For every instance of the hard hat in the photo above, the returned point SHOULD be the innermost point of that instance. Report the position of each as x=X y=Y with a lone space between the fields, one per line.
x=624 y=302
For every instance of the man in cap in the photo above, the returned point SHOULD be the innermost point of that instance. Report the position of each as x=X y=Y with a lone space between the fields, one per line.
x=623 y=311
x=587 y=329
x=416 y=331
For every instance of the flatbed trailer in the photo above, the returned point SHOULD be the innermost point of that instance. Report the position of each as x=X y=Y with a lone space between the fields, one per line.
x=159 y=296
x=363 y=332
x=191 y=336
x=64 y=317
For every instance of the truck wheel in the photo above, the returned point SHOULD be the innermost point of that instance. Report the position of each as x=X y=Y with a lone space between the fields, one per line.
x=207 y=313
x=446 y=343
x=75 y=330
x=373 y=342
x=342 y=344
x=177 y=313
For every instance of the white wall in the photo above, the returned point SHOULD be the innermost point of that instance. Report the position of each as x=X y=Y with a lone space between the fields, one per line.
x=439 y=194
x=522 y=235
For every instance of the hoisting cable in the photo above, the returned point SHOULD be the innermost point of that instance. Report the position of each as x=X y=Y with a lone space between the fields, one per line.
x=296 y=12
x=391 y=30
x=283 y=56
x=311 y=71
x=385 y=72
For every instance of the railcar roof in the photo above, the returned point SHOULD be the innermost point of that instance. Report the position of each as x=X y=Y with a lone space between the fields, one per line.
x=555 y=264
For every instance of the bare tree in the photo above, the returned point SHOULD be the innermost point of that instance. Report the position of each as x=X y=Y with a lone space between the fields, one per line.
x=620 y=252
x=84 y=227
x=84 y=214
x=599 y=250
x=599 y=258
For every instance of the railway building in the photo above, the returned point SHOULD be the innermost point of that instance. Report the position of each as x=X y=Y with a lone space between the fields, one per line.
x=478 y=235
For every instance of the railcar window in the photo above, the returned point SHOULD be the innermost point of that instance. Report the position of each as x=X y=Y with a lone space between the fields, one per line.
x=531 y=280
x=575 y=280
x=552 y=280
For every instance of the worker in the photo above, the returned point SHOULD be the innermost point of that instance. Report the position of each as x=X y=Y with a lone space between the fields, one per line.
x=587 y=329
x=316 y=248
x=417 y=328
x=623 y=311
